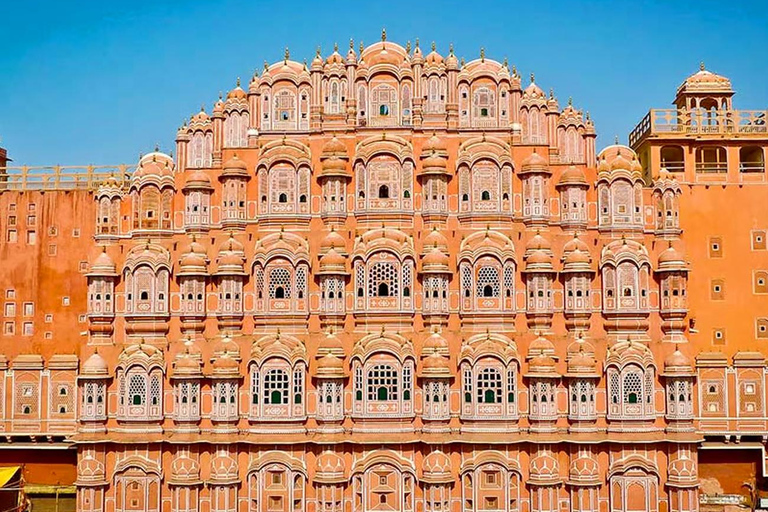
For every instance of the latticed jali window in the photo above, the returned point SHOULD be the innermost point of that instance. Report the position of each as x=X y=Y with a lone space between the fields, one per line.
x=489 y=386
x=382 y=383
x=383 y=280
x=279 y=283
x=276 y=387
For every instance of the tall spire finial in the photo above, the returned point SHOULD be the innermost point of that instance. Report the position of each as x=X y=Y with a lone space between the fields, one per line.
x=434 y=46
x=701 y=66
x=482 y=54
x=408 y=46
x=570 y=101
x=533 y=78
x=417 y=42
x=335 y=47
x=287 y=53
x=383 y=35
x=514 y=70
x=362 y=46
x=351 y=44
x=237 y=82
x=317 y=51
x=506 y=62
x=450 y=48
x=266 y=66
x=615 y=139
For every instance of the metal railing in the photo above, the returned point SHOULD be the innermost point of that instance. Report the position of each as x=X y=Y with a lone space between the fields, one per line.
x=700 y=122
x=63 y=177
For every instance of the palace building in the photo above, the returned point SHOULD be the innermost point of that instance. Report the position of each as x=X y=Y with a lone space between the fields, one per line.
x=394 y=280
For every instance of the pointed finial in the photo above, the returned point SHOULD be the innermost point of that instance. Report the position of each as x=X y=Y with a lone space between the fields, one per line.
x=434 y=46
x=305 y=64
x=588 y=118
x=351 y=44
x=450 y=48
x=221 y=95
x=317 y=51
x=362 y=46
x=514 y=70
x=202 y=107
x=287 y=53
x=570 y=101
x=462 y=62
x=266 y=66
x=506 y=62
x=383 y=35
x=701 y=66
x=237 y=82
x=615 y=139
x=157 y=147
x=482 y=54
x=408 y=46
x=533 y=78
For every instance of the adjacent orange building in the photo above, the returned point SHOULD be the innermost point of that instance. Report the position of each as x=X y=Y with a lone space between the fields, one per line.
x=397 y=281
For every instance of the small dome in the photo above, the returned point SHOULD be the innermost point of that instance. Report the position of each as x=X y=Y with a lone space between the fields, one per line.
x=704 y=81
x=435 y=261
x=194 y=258
x=334 y=147
x=582 y=363
x=541 y=346
x=226 y=346
x=329 y=468
x=677 y=363
x=434 y=143
x=332 y=263
x=103 y=265
x=95 y=366
x=671 y=260
x=533 y=91
x=234 y=166
x=534 y=163
x=437 y=468
x=435 y=239
x=226 y=367
x=331 y=367
x=333 y=240
x=544 y=470
x=198 y=179
x=538 y=260
x=538 y=243
x=330 y=344
x=451 y=62
x=187 y=365
x=218 y=108
x=436 y=366
x=574 y=244
x=435 y=343
x=584 y=469
x=237 y=93
x=577 y=259
x=573 y=176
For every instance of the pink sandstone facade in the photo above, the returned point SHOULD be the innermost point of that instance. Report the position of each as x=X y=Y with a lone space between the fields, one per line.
x=396 y=281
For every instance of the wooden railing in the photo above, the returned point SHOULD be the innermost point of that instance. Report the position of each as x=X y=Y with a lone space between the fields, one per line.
x=700 y=122
x=63 y=177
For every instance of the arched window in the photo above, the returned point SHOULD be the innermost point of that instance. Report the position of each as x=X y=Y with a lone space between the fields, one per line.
x=485 y=196
x=382 y=383
x=383 y=290
x=383 y=192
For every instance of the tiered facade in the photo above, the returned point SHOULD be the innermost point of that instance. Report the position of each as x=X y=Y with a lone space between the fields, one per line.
x=384 y=281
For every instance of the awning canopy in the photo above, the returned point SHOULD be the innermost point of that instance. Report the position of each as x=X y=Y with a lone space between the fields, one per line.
x=7 y=474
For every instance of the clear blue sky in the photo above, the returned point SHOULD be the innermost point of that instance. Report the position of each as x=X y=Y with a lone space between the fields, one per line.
x=98 y=82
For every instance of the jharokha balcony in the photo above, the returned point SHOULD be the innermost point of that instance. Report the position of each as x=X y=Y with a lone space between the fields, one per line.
x=681 y=123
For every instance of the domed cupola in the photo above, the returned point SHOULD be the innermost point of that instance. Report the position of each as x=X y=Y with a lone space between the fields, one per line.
x=680 y=376
x=330 y=374
x=230 y=276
